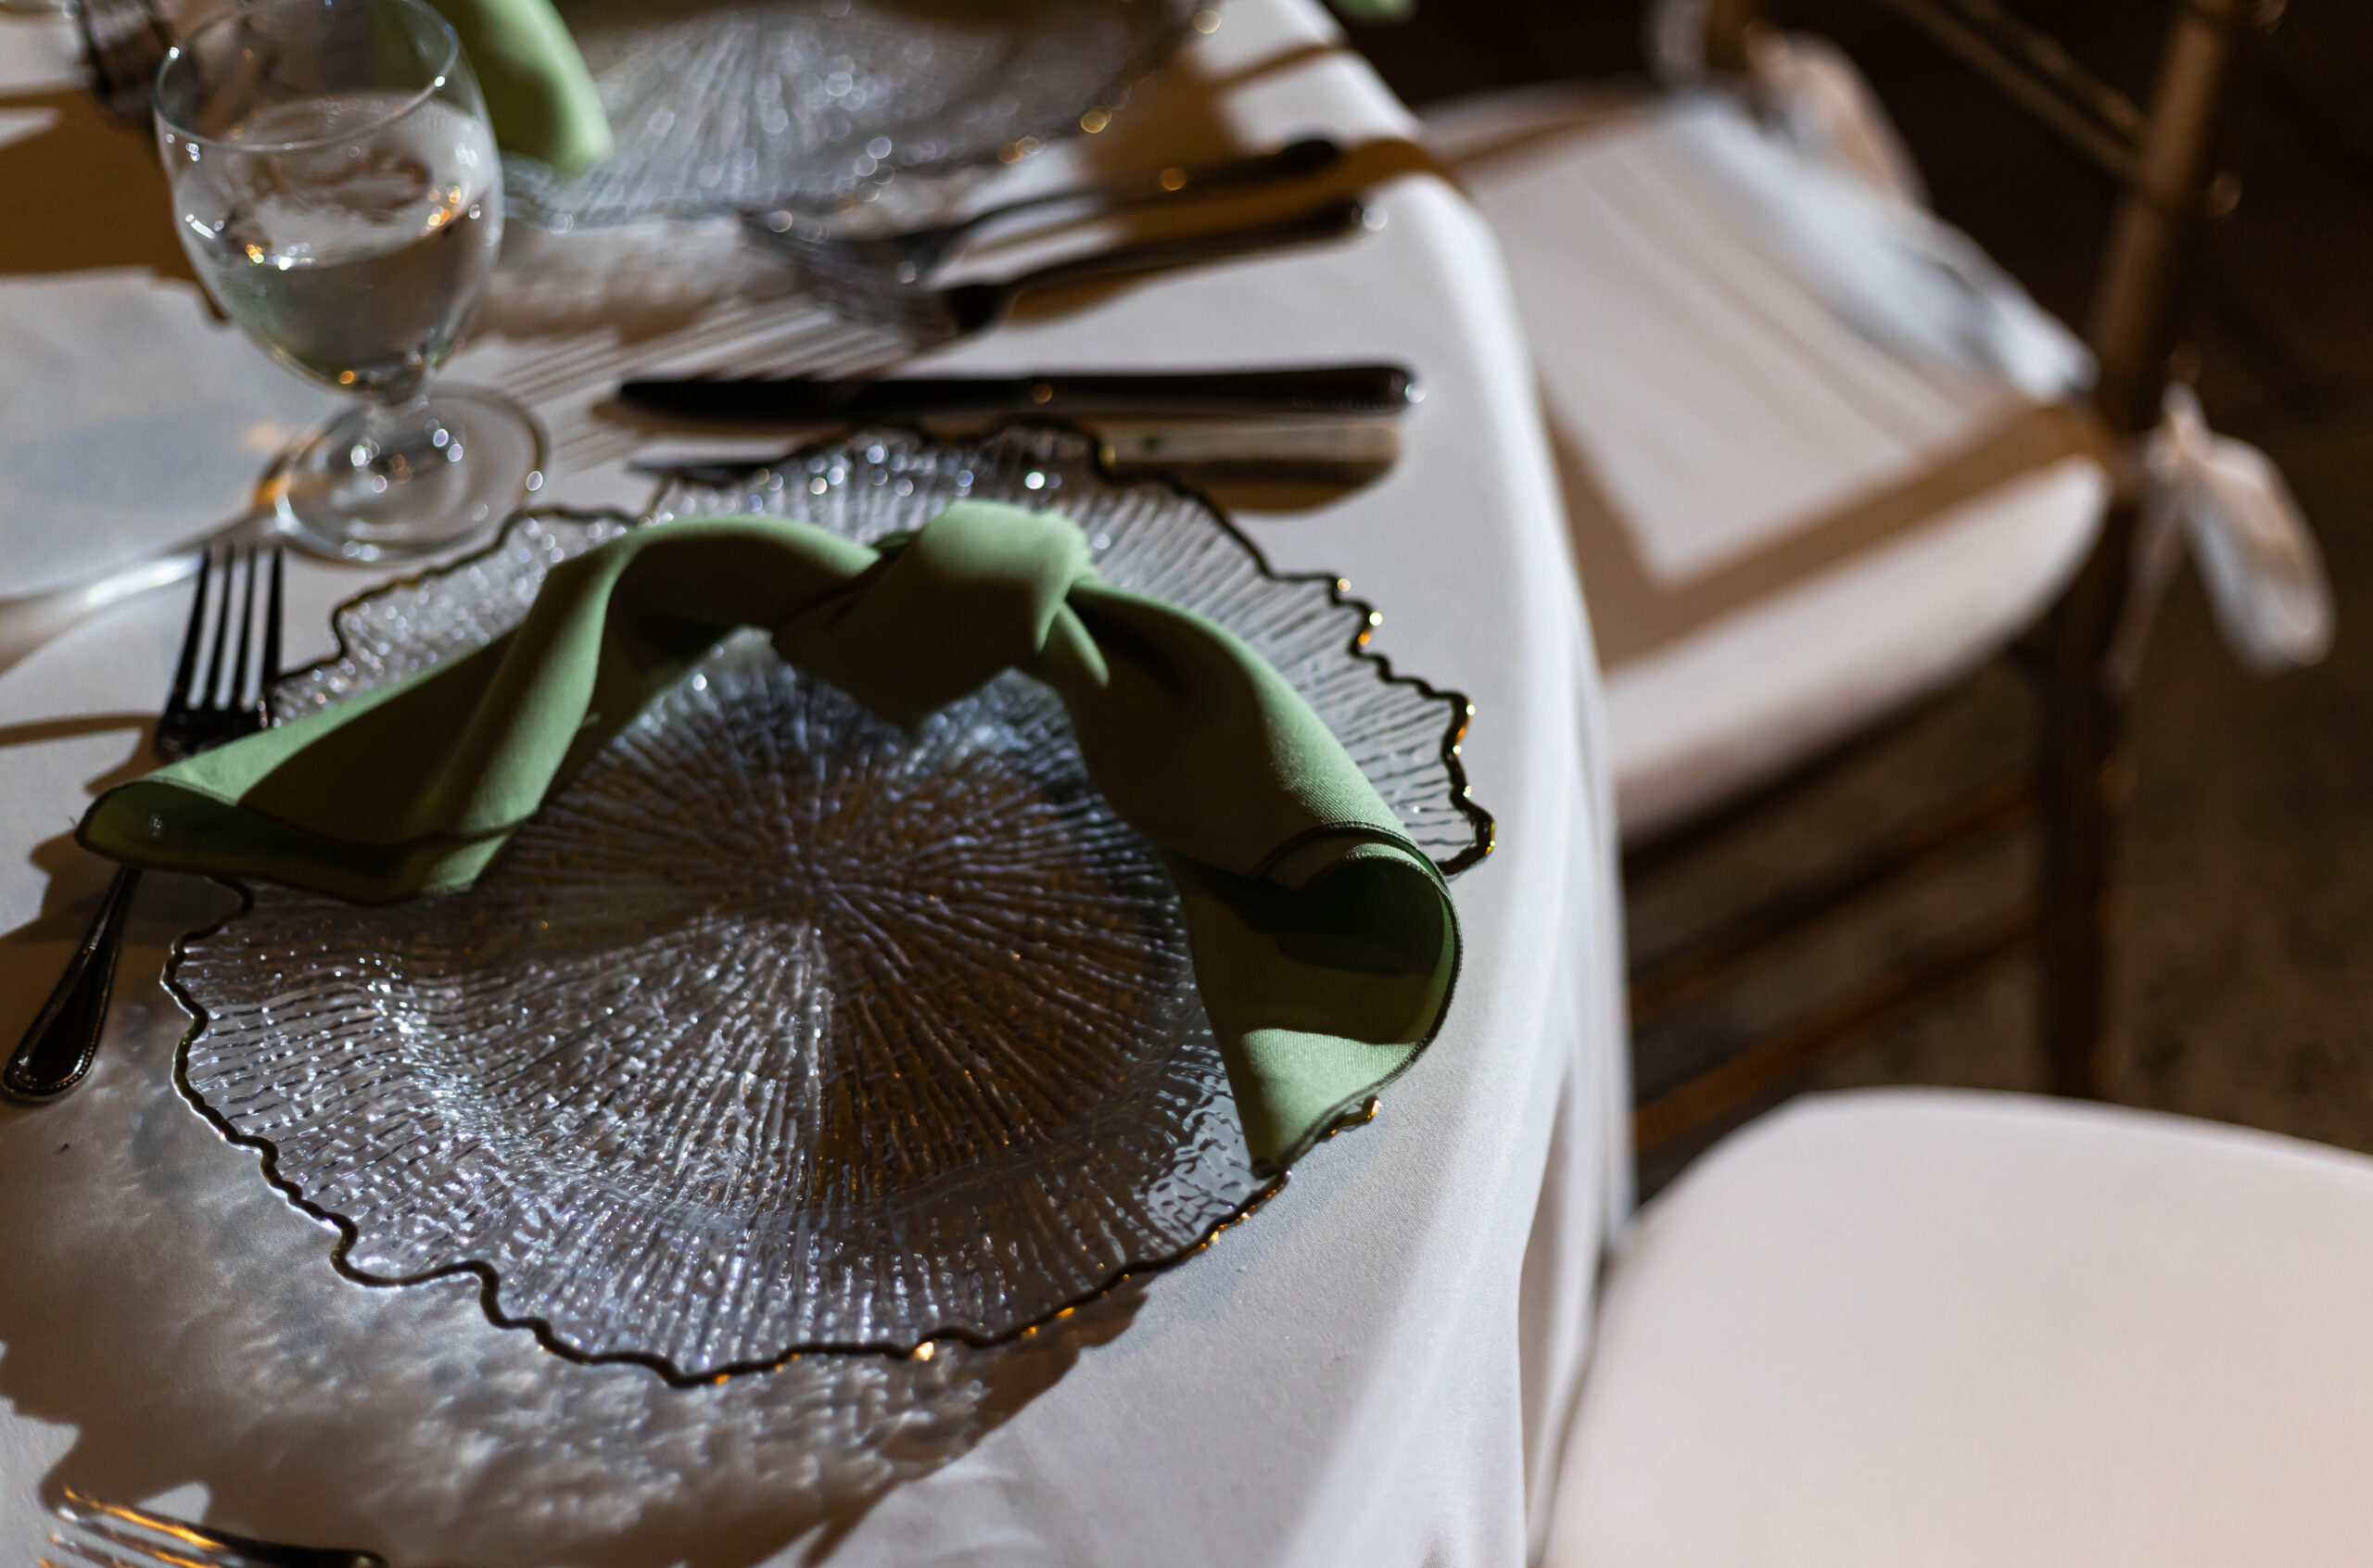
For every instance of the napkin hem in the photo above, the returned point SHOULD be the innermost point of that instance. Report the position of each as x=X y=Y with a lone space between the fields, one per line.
x=1356 y=1110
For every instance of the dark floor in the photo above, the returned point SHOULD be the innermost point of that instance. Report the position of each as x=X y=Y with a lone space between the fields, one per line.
x=2245 y=916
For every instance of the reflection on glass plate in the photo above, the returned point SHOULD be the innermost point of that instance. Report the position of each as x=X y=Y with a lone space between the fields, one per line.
x=779 y=1029
x=723 y=103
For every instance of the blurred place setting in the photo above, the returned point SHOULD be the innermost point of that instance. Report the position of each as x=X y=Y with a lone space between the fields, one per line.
x=1087 y=781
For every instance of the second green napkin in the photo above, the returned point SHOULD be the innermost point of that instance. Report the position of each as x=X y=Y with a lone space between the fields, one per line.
x=539 y=94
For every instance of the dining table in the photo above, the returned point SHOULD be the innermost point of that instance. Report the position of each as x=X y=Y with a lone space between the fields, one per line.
x=1373 y=1366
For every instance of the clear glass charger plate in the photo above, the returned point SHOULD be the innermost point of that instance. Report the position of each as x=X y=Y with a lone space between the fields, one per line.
x=718 y=105
x=779 y=1030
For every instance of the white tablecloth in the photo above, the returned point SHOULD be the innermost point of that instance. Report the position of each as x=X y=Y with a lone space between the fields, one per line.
x=1362 y=1372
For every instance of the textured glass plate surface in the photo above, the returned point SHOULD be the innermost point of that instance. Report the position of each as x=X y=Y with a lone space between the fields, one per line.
x=779 y=1029
x=715 y=104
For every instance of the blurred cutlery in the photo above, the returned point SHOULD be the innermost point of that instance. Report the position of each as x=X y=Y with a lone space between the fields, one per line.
x=103 y=1534
x=1331 y=453
x=1375 y=389
x=912 y=255
x=926 y=317
x=1335 y=453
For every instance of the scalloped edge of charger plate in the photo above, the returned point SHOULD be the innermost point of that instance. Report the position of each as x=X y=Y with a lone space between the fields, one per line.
x=1481 y=825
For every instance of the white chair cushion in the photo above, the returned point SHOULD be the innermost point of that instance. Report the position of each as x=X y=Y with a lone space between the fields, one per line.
x=1738 y=702
x=1946 y=1329
x=1714 y=415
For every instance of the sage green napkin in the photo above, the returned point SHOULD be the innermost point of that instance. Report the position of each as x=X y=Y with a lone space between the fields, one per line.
x=1324 y=941
x=539 y=94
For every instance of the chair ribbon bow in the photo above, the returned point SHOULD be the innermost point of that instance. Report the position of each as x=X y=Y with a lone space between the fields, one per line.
x=2225 y=501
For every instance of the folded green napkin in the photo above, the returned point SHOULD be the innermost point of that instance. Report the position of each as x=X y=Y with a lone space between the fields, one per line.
x=539 y=94
x=1324 y=943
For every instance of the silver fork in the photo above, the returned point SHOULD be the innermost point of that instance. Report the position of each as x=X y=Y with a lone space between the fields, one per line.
x=924 y=317
x=912 y=255
x=232 y=700
x=91 y=1534
x=126 y=41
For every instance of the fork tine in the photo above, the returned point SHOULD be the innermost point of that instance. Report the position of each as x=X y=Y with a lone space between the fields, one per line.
x=236 y=696
x=106 y=1535
x=114 y=1536
x=210 y=693
x=178 y=699
x=271 y=640
x=79 y=1550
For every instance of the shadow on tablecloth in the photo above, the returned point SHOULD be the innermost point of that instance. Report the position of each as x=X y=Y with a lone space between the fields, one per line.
x=165 y=1303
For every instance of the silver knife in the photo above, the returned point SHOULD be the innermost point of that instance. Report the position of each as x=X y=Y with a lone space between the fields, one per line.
x=1339 y=453
x=1360 y=389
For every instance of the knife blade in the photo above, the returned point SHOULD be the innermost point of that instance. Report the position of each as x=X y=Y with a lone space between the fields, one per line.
x=1348 y=452
x=1370 y=390
x=1313 y=451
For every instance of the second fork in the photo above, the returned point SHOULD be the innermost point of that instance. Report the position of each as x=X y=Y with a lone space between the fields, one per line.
x=232 y=700
x=927 y=317
x=910 y=256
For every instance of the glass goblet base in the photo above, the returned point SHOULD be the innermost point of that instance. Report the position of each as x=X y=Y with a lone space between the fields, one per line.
x=382 y=482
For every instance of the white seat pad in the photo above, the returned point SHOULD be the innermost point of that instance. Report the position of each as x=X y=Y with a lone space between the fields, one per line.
x=1751 y=693
x=1940 y=1329
x=1715 y=417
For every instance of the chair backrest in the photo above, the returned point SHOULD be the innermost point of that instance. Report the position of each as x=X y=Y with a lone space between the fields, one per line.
x=2168 y=159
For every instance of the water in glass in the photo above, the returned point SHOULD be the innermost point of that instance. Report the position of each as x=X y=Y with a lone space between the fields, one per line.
x=336 y=186
x=352 y=262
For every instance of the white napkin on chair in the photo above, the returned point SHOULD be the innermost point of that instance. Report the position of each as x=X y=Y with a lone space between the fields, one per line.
x=1826 y=179
x=1813 y=93
x=1826 y=108
x=2227 y=503
x=1925 y=290
x=1821 y=173
x=1888 y=268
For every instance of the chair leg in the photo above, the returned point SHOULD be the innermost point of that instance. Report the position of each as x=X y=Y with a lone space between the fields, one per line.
x=2078 y=791
x=2133 y=330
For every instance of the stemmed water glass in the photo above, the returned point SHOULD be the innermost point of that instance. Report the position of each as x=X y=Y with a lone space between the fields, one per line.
x=336 y=185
